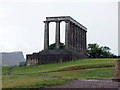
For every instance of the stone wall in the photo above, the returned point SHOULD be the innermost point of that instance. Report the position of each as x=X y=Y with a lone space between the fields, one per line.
x=117 y=71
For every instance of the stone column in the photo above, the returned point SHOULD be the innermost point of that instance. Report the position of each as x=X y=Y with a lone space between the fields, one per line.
x=117 y=71
x=57 y=38
x=77 y=38
x=46 y=36
x=72 y=36
x=67 y=32
x=80 y=39
x=77 y=41
x=75 y=44
x=85 y=42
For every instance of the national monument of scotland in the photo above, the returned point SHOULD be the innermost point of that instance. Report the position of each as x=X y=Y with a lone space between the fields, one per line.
x=75 y=43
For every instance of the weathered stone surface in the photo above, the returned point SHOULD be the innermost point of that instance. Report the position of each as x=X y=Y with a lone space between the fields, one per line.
x=65 y=18
x=46 y=35
x=57 y=38
x=117 y=71
x=75 y=40
x=52 y=56
x=67 y=34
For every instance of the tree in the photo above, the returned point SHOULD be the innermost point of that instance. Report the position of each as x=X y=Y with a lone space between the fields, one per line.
x=95 y=51
x=52 y=46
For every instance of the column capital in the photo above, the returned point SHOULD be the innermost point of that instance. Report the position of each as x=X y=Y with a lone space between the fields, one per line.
x=46 y=21
x=67 y=21
x=73 y=24
x=58 y=21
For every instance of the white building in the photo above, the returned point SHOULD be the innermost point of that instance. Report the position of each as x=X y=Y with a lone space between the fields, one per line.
x=11 y=58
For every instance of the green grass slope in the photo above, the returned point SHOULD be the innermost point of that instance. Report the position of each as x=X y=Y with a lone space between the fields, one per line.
x=58 y=73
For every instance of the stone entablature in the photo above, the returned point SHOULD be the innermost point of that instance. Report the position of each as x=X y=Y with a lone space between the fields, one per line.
x=66 y=19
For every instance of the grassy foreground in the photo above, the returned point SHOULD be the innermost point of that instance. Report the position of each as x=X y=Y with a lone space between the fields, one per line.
x=57 y=73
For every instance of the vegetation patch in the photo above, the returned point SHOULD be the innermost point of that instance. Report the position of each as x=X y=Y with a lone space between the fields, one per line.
x=17 y=81
x=94 y=73
x=81 y=63
x=33 y=76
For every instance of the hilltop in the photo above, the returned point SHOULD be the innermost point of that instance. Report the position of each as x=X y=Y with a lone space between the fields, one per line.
x=58 y=73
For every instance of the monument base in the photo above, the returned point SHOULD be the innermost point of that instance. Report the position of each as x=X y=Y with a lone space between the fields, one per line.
x=53 y=56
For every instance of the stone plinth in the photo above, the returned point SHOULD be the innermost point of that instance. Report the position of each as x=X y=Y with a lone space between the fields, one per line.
x=53 y=56
x=117 y=71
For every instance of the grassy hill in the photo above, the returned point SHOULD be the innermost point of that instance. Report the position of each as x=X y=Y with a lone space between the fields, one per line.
x=58 y=73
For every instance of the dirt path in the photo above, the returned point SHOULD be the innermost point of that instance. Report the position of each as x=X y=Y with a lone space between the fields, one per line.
x=90 y=84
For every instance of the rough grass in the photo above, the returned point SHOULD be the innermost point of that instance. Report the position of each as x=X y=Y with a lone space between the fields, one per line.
x=77 y=64
x=33 y=76
x=17 y=81
x=94 y=73
x=5 y=69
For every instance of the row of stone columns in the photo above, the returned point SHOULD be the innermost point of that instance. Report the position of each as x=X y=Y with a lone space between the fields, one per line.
x=75 y=37
x=46 y=35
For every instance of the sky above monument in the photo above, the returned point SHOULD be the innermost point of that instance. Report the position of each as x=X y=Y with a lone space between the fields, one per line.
x=22 y=27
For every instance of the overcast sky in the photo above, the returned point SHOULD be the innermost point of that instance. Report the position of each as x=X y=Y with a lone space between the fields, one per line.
x=22 y=27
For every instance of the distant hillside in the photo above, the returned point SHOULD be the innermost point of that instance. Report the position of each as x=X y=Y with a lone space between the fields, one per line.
x=11 y=58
